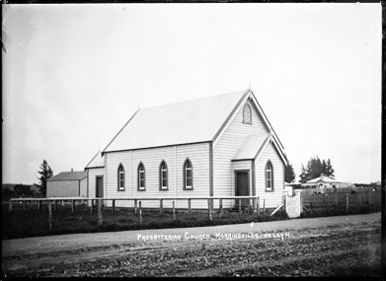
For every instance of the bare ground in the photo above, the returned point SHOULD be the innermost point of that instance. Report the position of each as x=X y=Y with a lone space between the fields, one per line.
x=333 y=246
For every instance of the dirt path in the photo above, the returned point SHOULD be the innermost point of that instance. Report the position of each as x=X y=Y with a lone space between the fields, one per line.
x=310 y=247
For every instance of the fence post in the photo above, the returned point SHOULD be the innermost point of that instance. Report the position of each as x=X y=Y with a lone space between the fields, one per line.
x=49 y=216
x=24 y=206
x=140 y=211
x=55 y=205
x=220 y=208
x=72 y=206
x=209 y=210
x=113 y=206
x=174 y=211
x=239 y=206
x=135 y=206
x=10 y=206
x=190 y=206
x=328 y=202
x=347 y=202
x=336 y=198
x=100 y=215
x=264 y=206
x=258 y=205
x=161 y=210
x=369 y=196
x=92 y=206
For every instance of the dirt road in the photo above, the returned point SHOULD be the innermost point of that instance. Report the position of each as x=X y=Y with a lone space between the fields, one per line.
x=333 y=246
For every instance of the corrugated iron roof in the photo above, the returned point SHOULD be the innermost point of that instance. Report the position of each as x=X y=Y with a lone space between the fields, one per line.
x=250 y=147
x=323 y=179
x=180 y=123
x=69 y=176
x=96 y=162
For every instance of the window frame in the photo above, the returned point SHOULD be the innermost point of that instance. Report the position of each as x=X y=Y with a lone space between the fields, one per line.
x=121 y=171
x=139 y=187
x=247 y=107
x=269 y=179
x=184 y=171
x=161 y=179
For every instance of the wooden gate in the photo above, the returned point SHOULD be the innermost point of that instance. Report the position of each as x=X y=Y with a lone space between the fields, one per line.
x=293 y=206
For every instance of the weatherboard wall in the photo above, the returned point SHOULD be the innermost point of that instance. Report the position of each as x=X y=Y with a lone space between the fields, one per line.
x=226 y=147
x=64 y=188
x=272 y=198
x=93 y=173
x=151 y=158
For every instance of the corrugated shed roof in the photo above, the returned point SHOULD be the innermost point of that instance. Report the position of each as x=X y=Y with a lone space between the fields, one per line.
x=180 y=123
x=96 y=162
x=69 y=176
x=323 y=179
x=250 y=147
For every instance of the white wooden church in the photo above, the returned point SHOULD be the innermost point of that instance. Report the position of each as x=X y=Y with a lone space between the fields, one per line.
x=217 y=146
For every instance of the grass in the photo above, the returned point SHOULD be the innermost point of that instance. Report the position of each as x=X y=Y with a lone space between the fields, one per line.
x=32 y=223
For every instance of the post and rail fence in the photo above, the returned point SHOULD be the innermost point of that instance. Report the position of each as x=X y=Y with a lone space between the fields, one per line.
x=344 y=202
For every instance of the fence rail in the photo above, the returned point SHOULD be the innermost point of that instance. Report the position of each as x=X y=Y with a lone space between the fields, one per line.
x=53 y=203
x=345 y=201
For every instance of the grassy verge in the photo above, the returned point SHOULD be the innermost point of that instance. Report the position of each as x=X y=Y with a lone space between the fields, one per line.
x=19 y=224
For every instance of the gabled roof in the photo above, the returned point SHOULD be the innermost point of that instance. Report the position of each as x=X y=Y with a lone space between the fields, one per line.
x=96 y=162
x=68 y=176
x=250 y=147
x=322 y=179
x=192 y=121
x=254 y=145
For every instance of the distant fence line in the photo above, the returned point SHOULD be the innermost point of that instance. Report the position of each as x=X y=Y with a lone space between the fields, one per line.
x=340 y=200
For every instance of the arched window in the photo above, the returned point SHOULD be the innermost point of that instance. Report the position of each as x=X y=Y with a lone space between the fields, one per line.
x=141 y=176
x=188 y=174
x=121 y=177
x=163 y=176
x=269 y=177
x=247 y=114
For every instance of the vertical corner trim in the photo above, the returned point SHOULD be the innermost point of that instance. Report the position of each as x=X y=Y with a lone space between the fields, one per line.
x=210 y=168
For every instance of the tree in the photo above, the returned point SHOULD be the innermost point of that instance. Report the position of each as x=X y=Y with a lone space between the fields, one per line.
x=22 y=190
x=289 y=173
x=316 y=168
x=7 y=194
x=45 y=173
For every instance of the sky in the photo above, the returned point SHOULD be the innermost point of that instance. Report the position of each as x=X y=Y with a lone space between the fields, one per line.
x=74 y=74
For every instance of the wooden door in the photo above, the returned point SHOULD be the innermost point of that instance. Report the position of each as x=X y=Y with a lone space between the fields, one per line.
x=99 y=187
x=242 y=186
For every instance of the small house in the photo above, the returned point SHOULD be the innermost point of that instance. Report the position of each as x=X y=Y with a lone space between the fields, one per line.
x=68 y=184
x=210 y=147
x=323 y=182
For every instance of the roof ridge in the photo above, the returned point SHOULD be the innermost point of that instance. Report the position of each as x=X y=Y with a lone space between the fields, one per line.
x=196 y=99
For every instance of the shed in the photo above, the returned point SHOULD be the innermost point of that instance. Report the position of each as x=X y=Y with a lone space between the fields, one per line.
x=67 y=184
